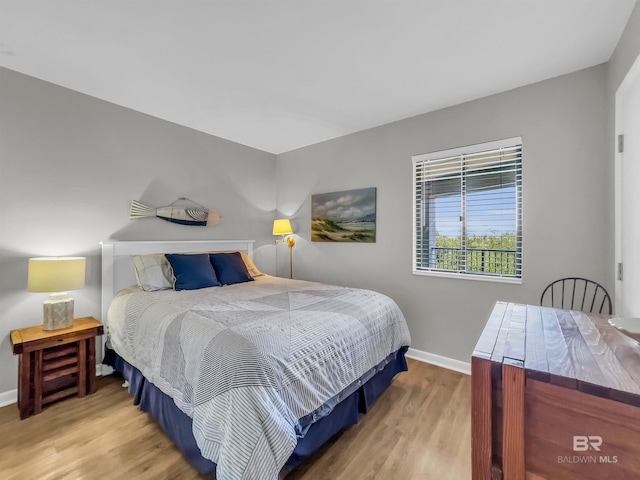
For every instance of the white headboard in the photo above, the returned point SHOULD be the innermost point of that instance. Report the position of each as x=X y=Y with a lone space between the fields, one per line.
x=117 y=267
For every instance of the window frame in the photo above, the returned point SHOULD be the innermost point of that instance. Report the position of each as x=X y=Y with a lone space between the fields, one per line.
x=420 y=159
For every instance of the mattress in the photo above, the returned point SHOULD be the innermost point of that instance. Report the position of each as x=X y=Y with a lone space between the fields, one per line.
x=254 y=364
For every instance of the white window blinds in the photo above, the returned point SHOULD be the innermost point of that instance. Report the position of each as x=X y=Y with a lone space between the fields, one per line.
x=468 y=211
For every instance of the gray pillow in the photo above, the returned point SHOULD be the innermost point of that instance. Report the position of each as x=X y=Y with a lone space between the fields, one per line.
x=153 y=272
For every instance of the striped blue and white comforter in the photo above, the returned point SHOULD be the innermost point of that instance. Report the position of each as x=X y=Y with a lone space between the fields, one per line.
x=246 y=361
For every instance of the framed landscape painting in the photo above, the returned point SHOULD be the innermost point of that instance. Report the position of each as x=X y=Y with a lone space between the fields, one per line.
x=347 y=216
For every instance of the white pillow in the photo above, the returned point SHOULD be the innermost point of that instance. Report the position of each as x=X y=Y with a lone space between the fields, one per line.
x=153 y=272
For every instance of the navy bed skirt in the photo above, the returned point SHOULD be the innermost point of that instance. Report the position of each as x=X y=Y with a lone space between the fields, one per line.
x=313 y=432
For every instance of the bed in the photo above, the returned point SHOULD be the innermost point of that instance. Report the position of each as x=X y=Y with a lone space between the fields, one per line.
x=250 y=377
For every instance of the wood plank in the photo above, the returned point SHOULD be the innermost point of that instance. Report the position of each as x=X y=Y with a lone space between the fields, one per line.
x=481 y=425
x=56 y=352
x=487 y=341
x=561 y=371
x=25 y=394
x=625 y=349
x=82 y=368
x=501 y=338
x=91 y=366
x=514 y=347
x=594 y=358
x=513 y=446
x=58 y=384
x=36 y=338
x=586 y=368
x=36 y=333
x=59 y=363
x=61 y=372
x=536 y=362
x=16 y=341
x=71 y=337
x=37 y=381
x=60 y=394
x=618 y=381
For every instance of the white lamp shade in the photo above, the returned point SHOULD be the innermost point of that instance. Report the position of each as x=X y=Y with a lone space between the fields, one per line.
x=56 y=274
x=282 y=227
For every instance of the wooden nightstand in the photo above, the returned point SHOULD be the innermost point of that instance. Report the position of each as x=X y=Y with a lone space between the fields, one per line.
x=55 y=364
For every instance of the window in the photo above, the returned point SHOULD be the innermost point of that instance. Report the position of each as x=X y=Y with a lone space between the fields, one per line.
x=468 y=212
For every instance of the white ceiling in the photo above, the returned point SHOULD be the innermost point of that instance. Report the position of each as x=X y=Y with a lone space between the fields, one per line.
x=279 y=75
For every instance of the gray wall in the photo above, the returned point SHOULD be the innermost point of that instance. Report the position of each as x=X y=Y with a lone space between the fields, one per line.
x=563 y=124
x=70 y=165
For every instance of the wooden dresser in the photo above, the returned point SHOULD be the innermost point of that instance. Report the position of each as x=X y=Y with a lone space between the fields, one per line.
x=555 y=395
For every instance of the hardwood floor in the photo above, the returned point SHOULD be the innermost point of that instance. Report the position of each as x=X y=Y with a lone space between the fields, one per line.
x=420 y=428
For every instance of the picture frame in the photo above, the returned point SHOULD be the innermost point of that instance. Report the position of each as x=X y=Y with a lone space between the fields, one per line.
x=344 y=216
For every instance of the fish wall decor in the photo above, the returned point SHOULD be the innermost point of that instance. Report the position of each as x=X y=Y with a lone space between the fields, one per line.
x=182 y=211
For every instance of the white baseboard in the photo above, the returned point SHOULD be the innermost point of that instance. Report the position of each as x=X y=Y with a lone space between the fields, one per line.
x=440 y=361
x=7 y=398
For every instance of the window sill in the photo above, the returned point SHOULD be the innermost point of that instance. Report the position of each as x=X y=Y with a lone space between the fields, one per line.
x=467 y=276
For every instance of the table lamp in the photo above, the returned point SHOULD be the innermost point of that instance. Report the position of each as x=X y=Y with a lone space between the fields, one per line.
x=283 y=227
x=56 y=275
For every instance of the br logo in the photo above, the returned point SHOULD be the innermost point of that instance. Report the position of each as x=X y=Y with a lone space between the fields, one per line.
x=582 y=443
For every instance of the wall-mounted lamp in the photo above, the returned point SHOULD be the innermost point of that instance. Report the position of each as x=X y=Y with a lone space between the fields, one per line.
x=56 y=275
x=283 y=227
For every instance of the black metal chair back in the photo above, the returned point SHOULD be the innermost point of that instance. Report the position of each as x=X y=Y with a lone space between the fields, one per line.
x=575 y=293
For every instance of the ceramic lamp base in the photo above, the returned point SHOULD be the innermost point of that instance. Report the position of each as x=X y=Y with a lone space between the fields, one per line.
x=58 y=311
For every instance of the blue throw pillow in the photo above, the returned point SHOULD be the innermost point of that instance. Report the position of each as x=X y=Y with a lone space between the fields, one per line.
x=192 y=271
x=230 y=268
